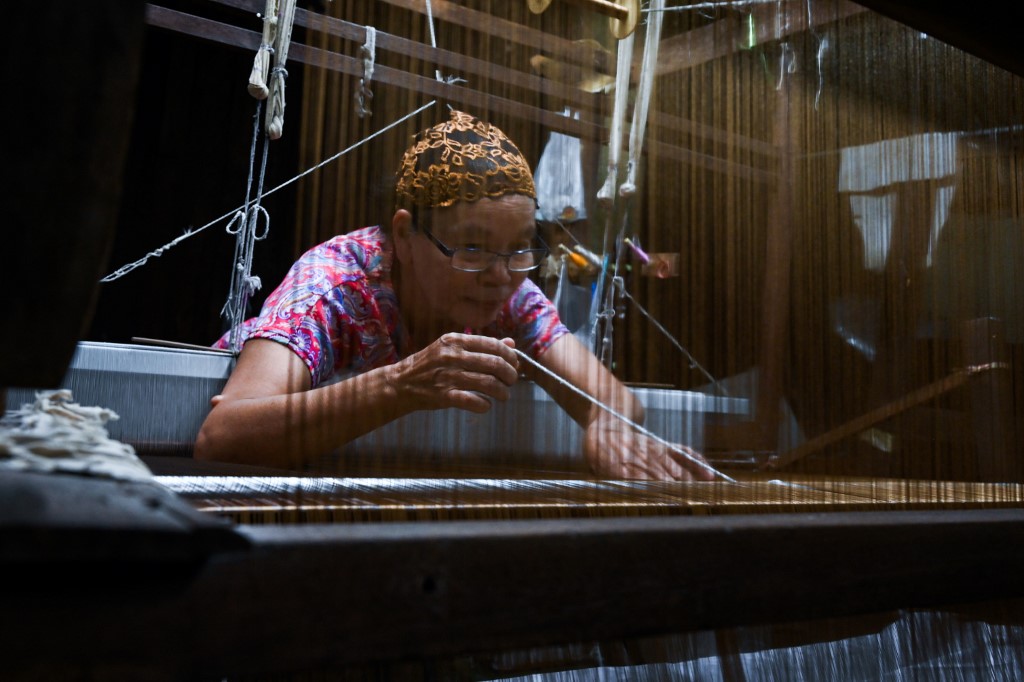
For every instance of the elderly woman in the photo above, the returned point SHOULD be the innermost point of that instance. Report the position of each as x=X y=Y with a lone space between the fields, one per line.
x=375 y=324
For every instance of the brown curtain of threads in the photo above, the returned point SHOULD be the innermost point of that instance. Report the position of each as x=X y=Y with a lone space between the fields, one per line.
x=836 y=199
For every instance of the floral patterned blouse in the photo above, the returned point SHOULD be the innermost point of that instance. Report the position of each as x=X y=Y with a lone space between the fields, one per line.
x=337 y=310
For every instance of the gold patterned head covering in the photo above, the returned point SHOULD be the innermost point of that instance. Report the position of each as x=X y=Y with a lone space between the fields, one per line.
x=461 y=159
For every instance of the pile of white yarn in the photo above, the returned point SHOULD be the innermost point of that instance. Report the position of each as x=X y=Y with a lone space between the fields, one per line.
x=57 y=435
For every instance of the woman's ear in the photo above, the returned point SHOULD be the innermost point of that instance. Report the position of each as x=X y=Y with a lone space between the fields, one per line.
x=401 y=230
x=401 y=224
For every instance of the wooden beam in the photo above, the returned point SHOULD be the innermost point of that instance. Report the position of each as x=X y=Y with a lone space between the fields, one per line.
x=853 y=427
x=453 y=62
x=582 y=128
x=238 y=37
x=317 y=597
x=488 y=24
x=701 y=45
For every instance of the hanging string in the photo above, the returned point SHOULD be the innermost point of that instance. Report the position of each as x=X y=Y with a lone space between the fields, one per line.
x=675 y=342
x=125 y=269
x=623 y=66
x=364 y=94
x=606 y=195
x=823 y=46
x=433 y=38
x=623 y=418
x=627 y=189
x=243 y=284
x=643 y=97
x=277 y=22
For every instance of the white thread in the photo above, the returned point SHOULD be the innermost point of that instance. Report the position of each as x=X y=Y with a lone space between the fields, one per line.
x=623 y=65
x=787 y=64
x=627 y=189
x=643 y=97
x=822 y=49
x=238 y=218
x=612 y=411
x=125 y=269
x=433 y=39
x=820 y=57
x=369 y=52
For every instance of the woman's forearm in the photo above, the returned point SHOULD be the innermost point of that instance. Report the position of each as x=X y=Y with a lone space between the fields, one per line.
x=292 y=429
x=576 y=365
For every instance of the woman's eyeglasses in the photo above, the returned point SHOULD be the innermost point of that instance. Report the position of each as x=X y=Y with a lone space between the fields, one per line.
x=469 y=259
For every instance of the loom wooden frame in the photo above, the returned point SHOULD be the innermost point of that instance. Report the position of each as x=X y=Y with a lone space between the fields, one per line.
x=259 y=600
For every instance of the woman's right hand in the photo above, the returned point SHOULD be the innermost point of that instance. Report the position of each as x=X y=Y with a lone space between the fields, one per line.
x=457 y=370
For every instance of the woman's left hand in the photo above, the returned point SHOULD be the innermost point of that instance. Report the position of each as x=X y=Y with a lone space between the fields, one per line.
x=615 y=450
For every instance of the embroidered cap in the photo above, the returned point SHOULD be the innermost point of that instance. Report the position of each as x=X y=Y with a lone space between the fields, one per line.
x=461 y=159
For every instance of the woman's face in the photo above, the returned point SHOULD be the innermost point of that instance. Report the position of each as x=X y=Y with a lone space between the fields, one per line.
x=434 y=292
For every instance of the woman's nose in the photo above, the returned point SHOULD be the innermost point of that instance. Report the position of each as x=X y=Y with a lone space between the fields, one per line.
x=498 y=270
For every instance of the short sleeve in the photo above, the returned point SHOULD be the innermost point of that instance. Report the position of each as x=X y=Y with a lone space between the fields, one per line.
x=530 y=319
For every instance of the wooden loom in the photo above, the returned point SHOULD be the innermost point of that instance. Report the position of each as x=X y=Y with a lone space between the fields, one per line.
x=473 y=599
x=324 y=600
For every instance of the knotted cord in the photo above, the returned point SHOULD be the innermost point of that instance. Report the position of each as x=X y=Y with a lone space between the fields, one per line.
x=277 y=28
x=245 y=222
x=278 y=74
x=125 y=269
x=261 y=63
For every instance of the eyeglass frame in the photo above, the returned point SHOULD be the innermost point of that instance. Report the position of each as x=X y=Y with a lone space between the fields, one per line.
x=495 y=255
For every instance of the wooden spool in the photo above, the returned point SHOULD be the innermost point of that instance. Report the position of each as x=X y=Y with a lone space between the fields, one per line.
x=623 y=14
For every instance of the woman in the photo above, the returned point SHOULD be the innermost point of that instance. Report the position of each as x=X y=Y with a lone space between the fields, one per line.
x=374 y=325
